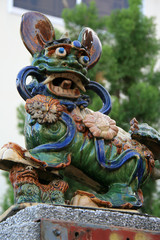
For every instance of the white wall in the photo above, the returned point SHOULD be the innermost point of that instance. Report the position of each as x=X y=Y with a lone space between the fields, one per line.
x=151 y=8
x=13 y=57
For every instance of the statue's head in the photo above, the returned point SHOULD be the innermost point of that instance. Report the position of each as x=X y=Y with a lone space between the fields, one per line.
x=62 y=62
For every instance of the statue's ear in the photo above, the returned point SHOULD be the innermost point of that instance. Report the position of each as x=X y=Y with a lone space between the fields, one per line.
x=36 y=31
x=92 y=44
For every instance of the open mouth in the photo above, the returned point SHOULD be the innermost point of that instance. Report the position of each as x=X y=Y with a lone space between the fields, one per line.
x=65 y=84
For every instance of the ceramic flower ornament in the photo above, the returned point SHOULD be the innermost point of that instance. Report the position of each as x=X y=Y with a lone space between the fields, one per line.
x=101 y=125
x=43 y=109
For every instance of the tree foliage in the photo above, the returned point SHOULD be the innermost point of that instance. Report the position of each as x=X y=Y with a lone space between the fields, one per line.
x=21 y=118
x=130 y=48
x=81 y=16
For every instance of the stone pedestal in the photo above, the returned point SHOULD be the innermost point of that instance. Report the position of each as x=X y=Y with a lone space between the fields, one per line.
x=26 y=223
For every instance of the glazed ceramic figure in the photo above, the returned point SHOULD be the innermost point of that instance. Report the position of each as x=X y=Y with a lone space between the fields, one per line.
x=65 y=139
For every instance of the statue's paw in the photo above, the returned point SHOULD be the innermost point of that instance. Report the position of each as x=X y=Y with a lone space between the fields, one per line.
x=44 y=109
x=122 y=196
x=12 y=154
x=101 y=125
x=86 y=199
x=127 y=206
x=83 y=201
x=119 y=196
x=80 y=199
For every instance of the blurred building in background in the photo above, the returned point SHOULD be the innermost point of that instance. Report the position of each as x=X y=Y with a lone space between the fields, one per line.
x=55 y=7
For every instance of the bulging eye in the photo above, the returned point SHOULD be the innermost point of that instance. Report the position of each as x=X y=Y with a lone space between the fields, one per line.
x=84 y=60
x=60 y=52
